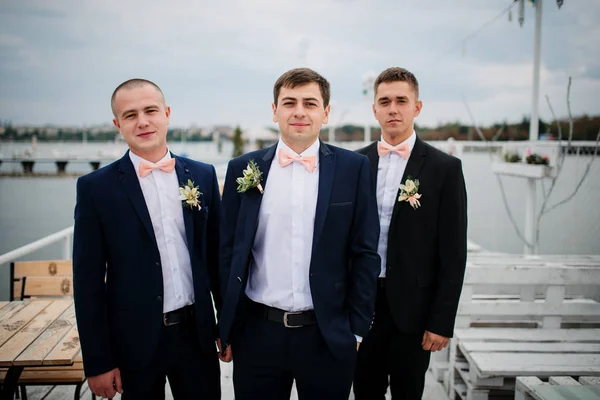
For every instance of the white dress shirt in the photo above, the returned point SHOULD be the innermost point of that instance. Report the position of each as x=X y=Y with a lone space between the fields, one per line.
x=389 y=175
x=279 y=272
x=161 y=193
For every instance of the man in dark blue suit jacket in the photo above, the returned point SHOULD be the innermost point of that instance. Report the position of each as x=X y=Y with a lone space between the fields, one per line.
x=298 y=257
x=145 y=262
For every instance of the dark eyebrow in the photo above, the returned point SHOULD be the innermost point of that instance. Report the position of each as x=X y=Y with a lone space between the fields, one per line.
x=303 y=99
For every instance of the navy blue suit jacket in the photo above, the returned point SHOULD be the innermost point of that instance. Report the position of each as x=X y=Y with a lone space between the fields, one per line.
x=120 y=318
x=344 y=262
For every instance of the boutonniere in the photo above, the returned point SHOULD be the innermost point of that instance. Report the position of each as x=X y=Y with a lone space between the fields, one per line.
x=189 y=194
x=410 y=192
x=250 y=179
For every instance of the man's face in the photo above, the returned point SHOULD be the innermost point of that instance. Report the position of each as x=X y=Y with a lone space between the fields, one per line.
x=300 y=113
x=396 y=107
x=142 y=117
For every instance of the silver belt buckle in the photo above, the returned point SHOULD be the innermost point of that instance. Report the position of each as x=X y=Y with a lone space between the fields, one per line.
x=285 y=319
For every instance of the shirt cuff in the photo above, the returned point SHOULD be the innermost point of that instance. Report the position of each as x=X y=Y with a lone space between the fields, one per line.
x=358 y=338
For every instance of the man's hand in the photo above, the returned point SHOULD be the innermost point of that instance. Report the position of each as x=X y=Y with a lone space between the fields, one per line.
x=107 y=384
x=433 y=342
x=228 y=356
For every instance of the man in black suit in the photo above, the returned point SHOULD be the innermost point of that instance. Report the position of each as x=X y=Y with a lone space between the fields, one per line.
x=422 y=206
x=145 y=261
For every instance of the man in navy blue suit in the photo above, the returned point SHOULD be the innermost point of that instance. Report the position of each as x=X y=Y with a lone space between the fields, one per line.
x=145 y=261
x=298 y=257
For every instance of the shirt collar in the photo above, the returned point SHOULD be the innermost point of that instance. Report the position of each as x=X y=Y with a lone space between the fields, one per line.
x=136 y=160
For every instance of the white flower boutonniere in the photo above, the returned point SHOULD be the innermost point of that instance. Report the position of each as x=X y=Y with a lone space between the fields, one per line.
x=189 y=194
x=250 y=179
x=410 y=192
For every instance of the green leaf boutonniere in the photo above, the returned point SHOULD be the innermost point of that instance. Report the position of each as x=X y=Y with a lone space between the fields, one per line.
x=250 y=179
x=189 y=194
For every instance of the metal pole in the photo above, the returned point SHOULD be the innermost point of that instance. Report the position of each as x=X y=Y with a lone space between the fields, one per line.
x=530 y=217
x=67 y=255
x=534 y=123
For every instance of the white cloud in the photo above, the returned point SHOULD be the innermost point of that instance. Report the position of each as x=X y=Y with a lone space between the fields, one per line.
x=217 y=61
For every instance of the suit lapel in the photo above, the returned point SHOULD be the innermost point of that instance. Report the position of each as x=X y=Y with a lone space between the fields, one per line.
x=252 y=199
x=413 y=167
x=373 y=157
x=183 y=174
x=131 y=186
x=326 y=175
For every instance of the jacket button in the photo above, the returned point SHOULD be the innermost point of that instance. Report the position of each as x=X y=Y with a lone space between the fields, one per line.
x=158 y=298
x=157 y=264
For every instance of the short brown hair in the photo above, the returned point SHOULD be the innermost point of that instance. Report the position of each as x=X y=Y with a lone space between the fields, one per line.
x=396 y=74
x=131 y=84
x=299 y=77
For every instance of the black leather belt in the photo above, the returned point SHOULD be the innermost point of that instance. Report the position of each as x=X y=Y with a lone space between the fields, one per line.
x=178 y=316
x=290 y=319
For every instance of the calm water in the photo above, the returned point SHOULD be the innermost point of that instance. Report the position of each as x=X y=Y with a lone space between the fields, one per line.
x=31 y=208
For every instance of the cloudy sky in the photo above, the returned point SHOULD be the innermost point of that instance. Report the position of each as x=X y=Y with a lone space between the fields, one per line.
x=217 y=61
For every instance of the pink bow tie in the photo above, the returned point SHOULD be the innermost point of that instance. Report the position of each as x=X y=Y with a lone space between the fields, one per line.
x=384 y=149
x=164 y=165
x=285 y=158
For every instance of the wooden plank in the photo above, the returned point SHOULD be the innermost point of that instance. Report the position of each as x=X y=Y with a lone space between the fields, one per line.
x=10 y=309
x=22 y=339
x=529 y=335
x=529 y=347
x=562 y=380
x=34 y=375
x=49 y=286
x=65 y=352
x=590 y=380
x=10 y=326
x=48 y=339
x=580 y=307
x=43 y=268
x=538 y=364
x=531 y=275
x=524 y=385
x=3 y=304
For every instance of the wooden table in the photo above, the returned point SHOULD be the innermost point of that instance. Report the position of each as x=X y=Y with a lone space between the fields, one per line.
x=36 y=333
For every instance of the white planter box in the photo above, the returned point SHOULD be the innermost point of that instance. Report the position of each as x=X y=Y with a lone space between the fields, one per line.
x=524 y=170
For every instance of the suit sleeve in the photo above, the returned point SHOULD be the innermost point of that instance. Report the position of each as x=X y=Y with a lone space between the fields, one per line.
x=452 y=249
x=365 y=262
x=229 y=214
x=89 y=271
x=212 y=244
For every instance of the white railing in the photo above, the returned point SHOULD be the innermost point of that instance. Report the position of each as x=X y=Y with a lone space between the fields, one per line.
x=65 y=236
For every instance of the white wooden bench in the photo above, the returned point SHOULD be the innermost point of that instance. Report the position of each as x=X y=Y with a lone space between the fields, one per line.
x=557 y=388
x=500 y=327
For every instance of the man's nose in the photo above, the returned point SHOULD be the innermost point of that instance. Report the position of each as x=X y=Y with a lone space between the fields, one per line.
x=299 y=111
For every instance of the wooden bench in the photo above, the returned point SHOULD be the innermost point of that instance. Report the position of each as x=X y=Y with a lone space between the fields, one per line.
x=513 y=320
x=557 y=388
x=46 y=279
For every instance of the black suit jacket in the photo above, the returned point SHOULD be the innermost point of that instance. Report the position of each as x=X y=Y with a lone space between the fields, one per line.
x=427 y=246
x=120 y=318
